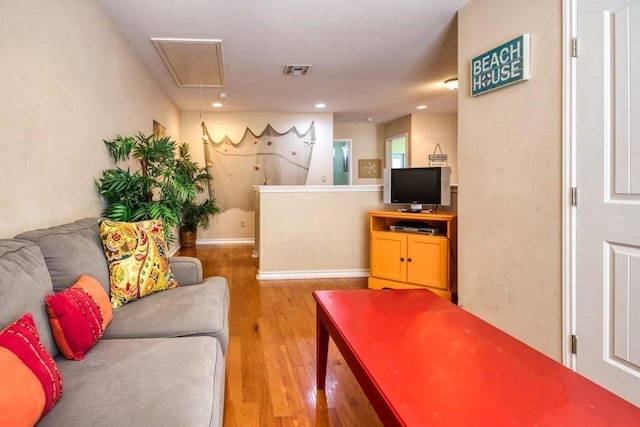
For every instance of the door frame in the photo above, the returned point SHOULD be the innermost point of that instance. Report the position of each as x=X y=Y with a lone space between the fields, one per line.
x=569 y=180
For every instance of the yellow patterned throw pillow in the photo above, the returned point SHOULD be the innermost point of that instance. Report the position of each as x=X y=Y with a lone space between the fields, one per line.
x=137 y=257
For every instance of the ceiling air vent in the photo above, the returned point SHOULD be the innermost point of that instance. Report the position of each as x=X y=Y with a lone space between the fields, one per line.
x=296 y=70
x=192 y=62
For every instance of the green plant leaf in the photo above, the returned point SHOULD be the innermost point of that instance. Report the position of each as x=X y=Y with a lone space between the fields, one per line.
x=164 y=187
x=120 y=147
x=117 y=212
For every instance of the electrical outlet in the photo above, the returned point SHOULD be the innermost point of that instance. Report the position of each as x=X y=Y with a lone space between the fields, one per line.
x=242 y=224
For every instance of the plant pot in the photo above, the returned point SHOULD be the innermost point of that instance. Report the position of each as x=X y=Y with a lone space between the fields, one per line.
x=188 y=238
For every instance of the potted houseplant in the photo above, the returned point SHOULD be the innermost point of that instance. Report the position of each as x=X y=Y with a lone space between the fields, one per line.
x=166 y=181
x=195 y=216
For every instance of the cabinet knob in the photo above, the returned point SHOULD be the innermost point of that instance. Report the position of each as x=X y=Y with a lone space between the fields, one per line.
x=401 y=259
x=409 y=259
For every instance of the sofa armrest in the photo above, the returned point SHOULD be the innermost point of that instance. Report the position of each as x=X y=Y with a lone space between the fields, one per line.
x=187 y=270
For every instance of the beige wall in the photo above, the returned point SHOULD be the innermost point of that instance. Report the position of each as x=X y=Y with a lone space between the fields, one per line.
x=68 y=81
x=320 y=231
x=424 y=131
x=398 y=126
x=227 y=226
x=367 y=142
x=429 y=129
x=509 y=158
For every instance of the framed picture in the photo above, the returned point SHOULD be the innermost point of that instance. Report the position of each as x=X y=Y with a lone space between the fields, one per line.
x=158 y=130
x=369 y=168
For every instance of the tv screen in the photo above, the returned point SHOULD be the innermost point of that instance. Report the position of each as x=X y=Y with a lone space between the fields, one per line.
x=418 y=186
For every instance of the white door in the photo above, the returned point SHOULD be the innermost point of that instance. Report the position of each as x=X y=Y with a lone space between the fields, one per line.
x=608 y=210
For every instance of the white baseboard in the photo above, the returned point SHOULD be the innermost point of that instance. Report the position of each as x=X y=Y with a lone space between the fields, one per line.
x=310 y=274
x=220 y=242
x=243 y=241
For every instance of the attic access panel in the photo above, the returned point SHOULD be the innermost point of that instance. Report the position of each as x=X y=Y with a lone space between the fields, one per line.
x=192 y=62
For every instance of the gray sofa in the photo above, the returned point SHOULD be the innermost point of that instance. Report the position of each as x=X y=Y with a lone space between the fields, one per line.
x=161 y=360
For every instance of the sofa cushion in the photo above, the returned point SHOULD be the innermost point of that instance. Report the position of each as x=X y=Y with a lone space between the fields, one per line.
x=146 y=382
x=31 y=383
x=187 y=310
x=137 y=257
x=71 y=250
x=77 y=318
x=24 y=283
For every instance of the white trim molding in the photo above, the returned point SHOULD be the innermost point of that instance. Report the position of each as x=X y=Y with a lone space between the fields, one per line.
x=569 y=180
x=220 y=242
x=316 y=188
x=318 y=274
x=325 y=188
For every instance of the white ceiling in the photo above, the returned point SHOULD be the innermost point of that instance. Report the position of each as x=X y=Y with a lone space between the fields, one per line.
x=375 y=59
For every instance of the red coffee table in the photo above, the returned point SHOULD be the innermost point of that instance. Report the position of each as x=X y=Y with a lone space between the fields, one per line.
x=423 y=361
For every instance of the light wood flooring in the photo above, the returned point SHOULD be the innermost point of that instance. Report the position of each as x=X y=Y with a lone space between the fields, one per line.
x=271 y=360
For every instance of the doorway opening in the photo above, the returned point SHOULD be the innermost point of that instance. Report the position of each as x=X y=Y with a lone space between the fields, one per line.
x=396 y=152
x=341 y=162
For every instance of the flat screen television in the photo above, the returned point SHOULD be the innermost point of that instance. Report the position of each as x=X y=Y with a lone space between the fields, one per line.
x=418 y=187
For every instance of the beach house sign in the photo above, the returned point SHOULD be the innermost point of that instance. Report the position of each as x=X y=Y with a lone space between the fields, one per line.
x=501 y=66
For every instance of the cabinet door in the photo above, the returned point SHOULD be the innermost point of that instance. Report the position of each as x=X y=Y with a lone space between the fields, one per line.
x=388 y=255
x=428 y=261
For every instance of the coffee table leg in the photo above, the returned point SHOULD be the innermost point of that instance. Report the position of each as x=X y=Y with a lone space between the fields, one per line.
x=322 y=348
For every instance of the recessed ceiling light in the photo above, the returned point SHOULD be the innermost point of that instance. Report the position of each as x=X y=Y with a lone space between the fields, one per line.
x=217 y=104
x=320 y=105
x=421 y=107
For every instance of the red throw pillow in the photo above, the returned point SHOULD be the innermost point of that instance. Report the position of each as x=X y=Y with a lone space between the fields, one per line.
x=30 y=383
x=78 y=317
x=99 y=295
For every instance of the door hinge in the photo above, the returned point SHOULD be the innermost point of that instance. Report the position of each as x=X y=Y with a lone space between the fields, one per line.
x=574 y=344
x=574 y=47
x=574 y=196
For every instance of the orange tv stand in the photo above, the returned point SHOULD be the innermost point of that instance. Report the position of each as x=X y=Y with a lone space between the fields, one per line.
x=413 y=251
